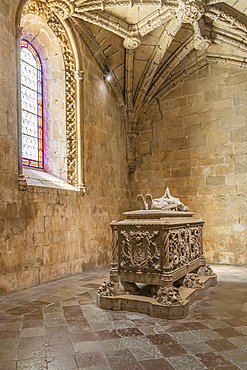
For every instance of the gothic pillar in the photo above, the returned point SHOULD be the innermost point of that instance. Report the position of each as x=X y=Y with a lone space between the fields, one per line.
x=22 y=183
x=80 y=130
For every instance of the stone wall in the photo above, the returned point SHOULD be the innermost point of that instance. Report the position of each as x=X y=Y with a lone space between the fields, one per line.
x=48 y=233
x=195 y=142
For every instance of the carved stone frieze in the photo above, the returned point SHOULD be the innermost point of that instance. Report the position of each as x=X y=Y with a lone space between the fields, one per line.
x=192 y=281
x=140 y=250
x=40 y=8
x=205 y=271
x=169 y=296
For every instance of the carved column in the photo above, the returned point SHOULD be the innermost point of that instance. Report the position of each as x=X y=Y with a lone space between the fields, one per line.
x=114 y=265
x=80 y=130
x=22 y=183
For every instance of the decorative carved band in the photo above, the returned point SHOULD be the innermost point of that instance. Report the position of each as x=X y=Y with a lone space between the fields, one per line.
x=42 y=9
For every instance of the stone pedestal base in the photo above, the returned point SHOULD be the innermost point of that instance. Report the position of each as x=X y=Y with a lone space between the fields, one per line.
x=153 y=308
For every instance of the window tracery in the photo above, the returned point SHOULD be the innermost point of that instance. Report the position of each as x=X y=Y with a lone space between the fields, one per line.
x=31 y=106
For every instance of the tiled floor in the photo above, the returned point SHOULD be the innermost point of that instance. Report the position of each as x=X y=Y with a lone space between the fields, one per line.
x=57 y=326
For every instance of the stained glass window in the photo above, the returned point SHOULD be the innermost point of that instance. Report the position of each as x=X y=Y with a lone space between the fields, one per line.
x=31 y=106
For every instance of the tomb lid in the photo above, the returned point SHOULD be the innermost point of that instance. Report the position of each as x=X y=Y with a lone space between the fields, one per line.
x=156 y=214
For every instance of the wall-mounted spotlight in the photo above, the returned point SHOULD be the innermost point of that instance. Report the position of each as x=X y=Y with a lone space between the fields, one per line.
x=107 y=77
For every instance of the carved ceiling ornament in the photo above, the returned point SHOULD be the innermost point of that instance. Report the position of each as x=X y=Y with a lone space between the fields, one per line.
x=131 y=42
x=62 y=8
x=169 y=14
x=41 y=9
x=189 y=11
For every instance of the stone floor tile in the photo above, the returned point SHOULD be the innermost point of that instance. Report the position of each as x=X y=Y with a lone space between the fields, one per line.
x=235 y=322
x=236 y=356
x=161 y=363
x=129 y=332
x=62 y=363
x=152 y=330
x=32 y=332
x=197 y=347
x=213 y=359
x=172 y=350
x=216 y=324
x=121 y=358
x=172 y=326
x=32 y=324
x=183 y=336
x=206 y=334
x=195 y=325
x=107 y=334
x=161 y=339
x=186 y=362
x=26 y=352
x=33 y=364
x=240 y=342
x=228 y=332
x=116 y=316
x=114 y=344
x=241 y=329
x=142 y=348
x=147 y=321
x=56 y=330
x=61 y=349
x=9 y=334
x=16 y=325
x=8 y=365
x=121 y=324
x=91 y=359
x=85 y=336
x=221 y=345
x=32 y=341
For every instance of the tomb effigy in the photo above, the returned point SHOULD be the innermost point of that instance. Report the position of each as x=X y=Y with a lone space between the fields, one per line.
x=158 y=266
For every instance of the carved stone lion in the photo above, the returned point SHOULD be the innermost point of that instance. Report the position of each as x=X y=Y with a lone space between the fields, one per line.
x=169 y=296
x=192 y=281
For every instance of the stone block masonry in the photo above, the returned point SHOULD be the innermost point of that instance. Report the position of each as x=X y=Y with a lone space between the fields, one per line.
x=209 y=132
x=48 y=233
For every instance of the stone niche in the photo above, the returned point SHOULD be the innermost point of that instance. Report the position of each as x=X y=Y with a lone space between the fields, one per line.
x=158 y=266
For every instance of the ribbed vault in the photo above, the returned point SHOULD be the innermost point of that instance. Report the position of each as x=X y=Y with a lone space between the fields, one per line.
x=148 y=46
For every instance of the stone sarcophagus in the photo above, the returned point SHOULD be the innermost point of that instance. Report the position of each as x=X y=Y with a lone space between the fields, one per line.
x=158 y=266
x=156 y=247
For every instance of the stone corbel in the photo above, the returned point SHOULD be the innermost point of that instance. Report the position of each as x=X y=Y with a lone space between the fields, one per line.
x=131 y=151
x=202 y=35
x=22 y=182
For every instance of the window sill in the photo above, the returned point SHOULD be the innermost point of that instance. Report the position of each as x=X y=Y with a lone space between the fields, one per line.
x=38 y=178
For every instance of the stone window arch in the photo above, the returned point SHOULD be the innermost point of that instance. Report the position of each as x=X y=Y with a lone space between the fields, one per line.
x=44 y=30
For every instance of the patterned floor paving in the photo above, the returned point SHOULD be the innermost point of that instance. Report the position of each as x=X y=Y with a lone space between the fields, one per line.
x=57 y=326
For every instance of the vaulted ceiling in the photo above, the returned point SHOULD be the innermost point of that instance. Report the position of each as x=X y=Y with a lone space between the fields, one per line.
x=147 y=45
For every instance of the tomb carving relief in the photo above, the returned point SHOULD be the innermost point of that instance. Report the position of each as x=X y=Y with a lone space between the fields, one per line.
x=159 y=248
